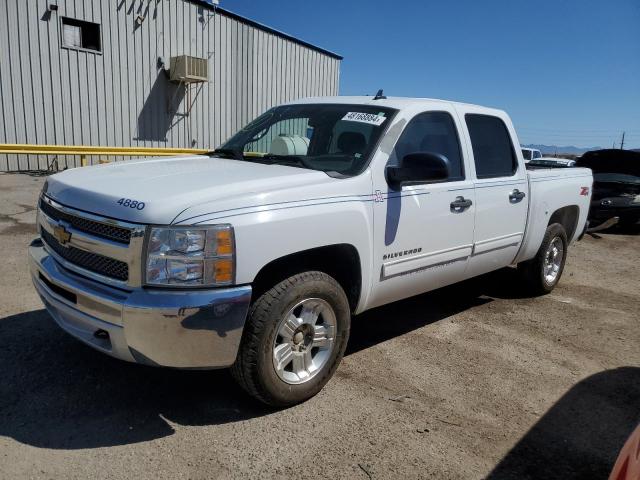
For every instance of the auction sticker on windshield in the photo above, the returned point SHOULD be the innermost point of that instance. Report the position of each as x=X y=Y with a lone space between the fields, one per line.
x=370 y=118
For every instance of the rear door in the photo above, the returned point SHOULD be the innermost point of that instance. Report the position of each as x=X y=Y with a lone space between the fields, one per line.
x=501 y=192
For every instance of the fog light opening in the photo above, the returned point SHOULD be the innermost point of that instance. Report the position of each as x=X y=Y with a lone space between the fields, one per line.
x=101 y=334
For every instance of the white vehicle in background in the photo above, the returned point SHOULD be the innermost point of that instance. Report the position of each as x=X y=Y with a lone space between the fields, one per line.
x=256 y=256
x=551 y=162
x=530 y=154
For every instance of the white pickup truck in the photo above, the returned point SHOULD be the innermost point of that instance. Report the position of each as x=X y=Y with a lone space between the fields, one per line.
x=530 y=154
x=256 y=256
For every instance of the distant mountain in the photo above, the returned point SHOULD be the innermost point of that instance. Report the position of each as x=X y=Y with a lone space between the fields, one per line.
x=553 y=149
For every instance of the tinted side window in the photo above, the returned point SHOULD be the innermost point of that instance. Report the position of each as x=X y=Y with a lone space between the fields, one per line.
x=492 y=149
x=433 y=132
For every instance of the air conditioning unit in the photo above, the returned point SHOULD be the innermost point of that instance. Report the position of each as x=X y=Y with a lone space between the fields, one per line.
x=186 y=69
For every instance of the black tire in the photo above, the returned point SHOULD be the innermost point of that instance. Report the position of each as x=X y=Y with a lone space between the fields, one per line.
x=531 y=272
x=254 y=370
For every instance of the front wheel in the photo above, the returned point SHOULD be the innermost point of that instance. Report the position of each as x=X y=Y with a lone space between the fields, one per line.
x=294 y=339
x=541 y=274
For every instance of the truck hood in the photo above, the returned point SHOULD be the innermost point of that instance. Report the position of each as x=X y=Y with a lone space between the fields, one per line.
x=169 y=186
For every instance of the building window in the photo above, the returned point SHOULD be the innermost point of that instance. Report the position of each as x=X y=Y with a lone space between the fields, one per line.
x=81 y=34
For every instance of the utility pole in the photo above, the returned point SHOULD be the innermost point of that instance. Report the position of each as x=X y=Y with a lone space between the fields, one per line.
x=622 y=141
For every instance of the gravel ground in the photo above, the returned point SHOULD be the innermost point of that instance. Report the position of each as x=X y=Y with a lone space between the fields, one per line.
x=471 y=381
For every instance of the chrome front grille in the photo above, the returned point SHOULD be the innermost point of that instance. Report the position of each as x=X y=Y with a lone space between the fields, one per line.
x=103 y=230
x=91 y=261
x=107 y=250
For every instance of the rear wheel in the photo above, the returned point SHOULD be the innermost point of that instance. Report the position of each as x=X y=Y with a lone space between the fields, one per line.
x=294 y=339
x=541 y=274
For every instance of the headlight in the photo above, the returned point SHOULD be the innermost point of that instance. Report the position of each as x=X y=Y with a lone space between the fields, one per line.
x=191 y=256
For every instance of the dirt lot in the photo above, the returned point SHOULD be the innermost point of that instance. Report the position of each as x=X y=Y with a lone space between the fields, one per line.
x=466 y=382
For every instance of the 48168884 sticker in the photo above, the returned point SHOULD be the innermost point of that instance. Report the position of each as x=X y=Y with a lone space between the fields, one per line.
x=370 y=118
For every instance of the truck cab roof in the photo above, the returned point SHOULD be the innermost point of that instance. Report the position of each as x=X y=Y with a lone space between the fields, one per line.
x=398 y=103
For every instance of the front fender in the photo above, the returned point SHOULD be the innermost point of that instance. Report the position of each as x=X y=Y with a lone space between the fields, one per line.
x=265 y=236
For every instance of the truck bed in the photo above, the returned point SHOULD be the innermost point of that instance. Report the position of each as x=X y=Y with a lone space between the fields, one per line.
x=551 y=189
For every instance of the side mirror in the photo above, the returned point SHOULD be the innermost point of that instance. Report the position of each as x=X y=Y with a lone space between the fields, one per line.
x=417 y=168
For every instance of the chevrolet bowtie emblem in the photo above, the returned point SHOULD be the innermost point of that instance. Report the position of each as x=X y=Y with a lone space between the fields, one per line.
x=61 y=234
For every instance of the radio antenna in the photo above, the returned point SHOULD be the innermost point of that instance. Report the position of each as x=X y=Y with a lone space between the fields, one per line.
x=380 y=95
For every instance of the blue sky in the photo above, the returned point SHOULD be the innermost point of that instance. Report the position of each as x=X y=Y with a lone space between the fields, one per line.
x=567 y=71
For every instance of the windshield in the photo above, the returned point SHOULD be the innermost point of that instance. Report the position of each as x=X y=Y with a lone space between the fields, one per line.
x=326 y=137
x=526 y=154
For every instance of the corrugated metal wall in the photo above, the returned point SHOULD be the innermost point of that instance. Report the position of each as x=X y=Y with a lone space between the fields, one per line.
x=50 y=94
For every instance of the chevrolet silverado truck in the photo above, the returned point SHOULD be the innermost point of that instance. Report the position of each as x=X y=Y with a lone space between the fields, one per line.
x=256 y=255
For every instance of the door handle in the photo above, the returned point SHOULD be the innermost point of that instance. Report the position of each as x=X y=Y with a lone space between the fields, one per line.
x=460 y=204
x=516 y=195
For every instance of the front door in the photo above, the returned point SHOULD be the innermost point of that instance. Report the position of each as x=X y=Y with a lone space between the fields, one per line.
x=423 y=234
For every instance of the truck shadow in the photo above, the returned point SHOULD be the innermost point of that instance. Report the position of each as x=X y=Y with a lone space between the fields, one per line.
x=582 y=434
x=57 y=393
x=395 y=319
x=398 y=318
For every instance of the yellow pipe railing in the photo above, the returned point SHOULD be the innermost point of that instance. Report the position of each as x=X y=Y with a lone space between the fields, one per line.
x=84 y=151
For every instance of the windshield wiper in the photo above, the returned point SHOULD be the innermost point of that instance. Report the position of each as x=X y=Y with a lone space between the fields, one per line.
x=228 y=152
x=268 y=158
x=300 y=161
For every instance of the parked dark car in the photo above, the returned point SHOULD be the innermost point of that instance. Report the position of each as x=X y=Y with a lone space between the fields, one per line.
x=616 y=185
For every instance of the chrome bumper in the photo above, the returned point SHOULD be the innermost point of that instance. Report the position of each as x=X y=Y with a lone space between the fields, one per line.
x=182 y=329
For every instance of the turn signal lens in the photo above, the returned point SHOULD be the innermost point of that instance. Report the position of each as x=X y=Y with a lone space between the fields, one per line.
x=223 y=271
x=224 y=242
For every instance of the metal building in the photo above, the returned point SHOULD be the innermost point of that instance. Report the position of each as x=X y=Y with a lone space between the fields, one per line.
x=117 y=73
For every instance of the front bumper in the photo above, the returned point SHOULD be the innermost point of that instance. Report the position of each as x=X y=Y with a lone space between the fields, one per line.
x=171 y=328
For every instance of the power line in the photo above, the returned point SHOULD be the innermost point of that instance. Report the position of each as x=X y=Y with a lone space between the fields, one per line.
x=562 y=132
x=582 y=131
x=577 y=129
x=578 y=137
x=583 y=134
x=546 y=127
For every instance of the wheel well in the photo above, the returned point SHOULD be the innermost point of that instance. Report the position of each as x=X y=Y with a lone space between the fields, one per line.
x=568 y=218
x=340 y=261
